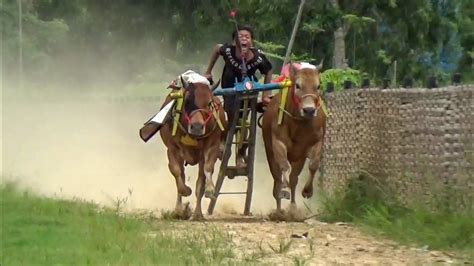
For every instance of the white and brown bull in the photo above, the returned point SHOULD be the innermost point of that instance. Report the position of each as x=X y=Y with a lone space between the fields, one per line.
x=299 y=136
x=196 y=141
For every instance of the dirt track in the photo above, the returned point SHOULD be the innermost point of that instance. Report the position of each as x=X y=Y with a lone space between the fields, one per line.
x=259 y=240
x=90 y=149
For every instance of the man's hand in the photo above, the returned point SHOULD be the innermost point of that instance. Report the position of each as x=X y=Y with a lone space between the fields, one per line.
x=266 y=99
x=208 y=75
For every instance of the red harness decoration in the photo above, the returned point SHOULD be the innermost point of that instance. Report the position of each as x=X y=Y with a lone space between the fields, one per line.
x=296 y=100
x=204 y=111
x=213 y=107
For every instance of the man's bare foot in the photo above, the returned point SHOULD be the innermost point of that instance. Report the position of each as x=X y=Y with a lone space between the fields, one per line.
x=240 y=162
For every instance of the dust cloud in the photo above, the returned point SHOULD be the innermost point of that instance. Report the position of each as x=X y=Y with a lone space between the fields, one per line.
x=87 y=147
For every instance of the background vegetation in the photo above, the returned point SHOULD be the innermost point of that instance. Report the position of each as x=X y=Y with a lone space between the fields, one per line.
x=94 y=42
x=368 y=202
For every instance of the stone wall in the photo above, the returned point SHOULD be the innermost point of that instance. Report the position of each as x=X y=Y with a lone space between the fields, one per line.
x=418 y=141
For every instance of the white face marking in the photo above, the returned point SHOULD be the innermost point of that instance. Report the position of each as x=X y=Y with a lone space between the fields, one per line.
x=307 y=65
x=208 y=176
x=306 y=101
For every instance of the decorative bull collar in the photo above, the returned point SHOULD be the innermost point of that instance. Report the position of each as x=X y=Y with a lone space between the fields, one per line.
x=188 y=140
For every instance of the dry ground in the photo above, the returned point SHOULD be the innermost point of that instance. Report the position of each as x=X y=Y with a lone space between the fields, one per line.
x=313 y=243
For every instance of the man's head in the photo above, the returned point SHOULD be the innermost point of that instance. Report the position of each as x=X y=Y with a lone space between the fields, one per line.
x=243 y=35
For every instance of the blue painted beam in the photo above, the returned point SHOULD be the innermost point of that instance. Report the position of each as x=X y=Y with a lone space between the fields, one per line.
x=248 y=86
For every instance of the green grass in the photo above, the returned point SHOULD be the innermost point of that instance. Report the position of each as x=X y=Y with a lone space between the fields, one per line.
x=370 y=205
x=42 y=231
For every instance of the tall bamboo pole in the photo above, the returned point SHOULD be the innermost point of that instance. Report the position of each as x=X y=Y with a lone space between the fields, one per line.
x=293 y=33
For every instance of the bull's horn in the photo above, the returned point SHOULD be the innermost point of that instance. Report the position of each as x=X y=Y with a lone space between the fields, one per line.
x=320 y=66
x=183 y=82
x=215 y=85
x=293 y=70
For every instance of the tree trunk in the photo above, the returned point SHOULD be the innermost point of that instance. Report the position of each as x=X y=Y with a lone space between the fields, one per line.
x=339 y=48
x=339 y=59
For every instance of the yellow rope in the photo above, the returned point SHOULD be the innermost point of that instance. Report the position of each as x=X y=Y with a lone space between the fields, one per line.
x=215 y=113
x=323 y=106
x=178 y=109
x=284 y=95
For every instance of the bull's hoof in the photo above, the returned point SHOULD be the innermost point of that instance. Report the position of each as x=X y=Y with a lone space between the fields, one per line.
x=185 y=191
x=284 y=194
x=307 y=192
x=197 y=217
x=209 y=194
x=293 y=214
x=182 y=212
x=277 y=215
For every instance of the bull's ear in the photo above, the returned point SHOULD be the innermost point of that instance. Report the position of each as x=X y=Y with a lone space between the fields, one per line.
x=174 y=87
x=293 y=70
x=320 y=66
x=215 y=85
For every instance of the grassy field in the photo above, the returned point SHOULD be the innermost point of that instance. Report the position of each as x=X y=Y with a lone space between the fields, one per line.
x=375 y=209
x=40 y=231
x=43 y=231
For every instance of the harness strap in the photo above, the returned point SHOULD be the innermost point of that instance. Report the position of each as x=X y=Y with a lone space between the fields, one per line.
x=281 y=109
x=289 y=114
x=215 y=113
x=177 y=116
x=179 y=110
x=181 y=126
x=284 y=97
x=323 y=107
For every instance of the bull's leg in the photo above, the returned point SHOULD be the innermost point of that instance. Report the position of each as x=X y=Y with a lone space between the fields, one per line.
x=276 y=174
x=181 y=211
x=314 y=160
x=274 y=168
x=296 y=168
x=197 y=215
x=210 y=158
x=279 y=153
x=176 y=168
x=179 y=199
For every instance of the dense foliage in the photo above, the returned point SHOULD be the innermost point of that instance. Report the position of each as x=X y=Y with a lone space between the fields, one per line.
x=142 y=40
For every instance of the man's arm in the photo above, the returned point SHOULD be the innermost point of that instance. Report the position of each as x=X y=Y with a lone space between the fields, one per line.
x=266 y=94
x=212 y=61
x=268 y=77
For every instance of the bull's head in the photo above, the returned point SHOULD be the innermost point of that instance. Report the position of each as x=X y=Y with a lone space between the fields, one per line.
x=306 y=89
x=197 y=110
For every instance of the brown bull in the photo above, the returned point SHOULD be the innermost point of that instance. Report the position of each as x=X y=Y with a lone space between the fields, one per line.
x=196 y=142
x=299 y=136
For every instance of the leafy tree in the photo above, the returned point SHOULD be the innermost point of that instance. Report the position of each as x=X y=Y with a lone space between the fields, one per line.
x=40 y=39
x=147 y=40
